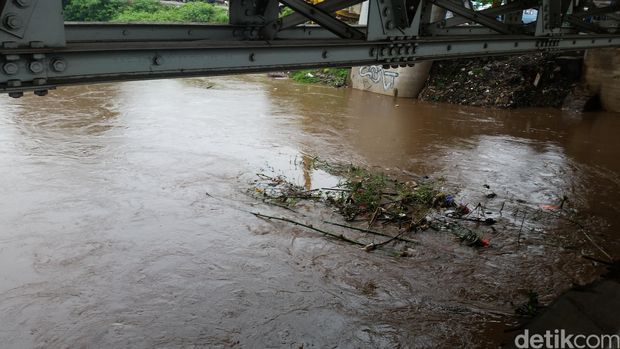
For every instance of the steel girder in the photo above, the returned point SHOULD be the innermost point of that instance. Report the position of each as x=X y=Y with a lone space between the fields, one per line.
x=39 y=51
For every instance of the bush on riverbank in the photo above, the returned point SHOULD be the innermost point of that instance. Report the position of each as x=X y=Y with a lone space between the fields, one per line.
x=142 y=11
x=535 y=80
x=336 y=77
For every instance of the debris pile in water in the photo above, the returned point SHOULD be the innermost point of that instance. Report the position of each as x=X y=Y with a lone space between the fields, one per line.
x=533 y=80
x=374 y=206
x=374 y=203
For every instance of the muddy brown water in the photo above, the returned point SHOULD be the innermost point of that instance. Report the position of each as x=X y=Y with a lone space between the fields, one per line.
x=108 y=239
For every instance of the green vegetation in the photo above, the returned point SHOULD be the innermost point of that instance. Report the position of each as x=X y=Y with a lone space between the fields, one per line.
x=336 y=77
x=143 y=11
x=286 y=11
x=370 y=195
x=93 y=10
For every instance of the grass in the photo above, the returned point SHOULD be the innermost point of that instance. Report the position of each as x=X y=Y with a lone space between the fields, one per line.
x=336 y=77
x=369 y=192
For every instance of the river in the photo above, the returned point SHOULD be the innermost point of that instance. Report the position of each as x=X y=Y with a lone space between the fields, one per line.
x=124 y=217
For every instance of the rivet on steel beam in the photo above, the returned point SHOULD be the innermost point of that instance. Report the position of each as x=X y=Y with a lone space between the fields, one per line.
x=372 y=52
x=41 y=93
x=22 y=3
x=17 y=94
x=158 y=60
x=59 y=65
x=39 y=82
x=387 y=12
x=449 y=47
x=36 y=67
x=13 y=22
x=10 y=68
x=13 y=83
x=389 y=25
x=324 y=54
x=251 y=57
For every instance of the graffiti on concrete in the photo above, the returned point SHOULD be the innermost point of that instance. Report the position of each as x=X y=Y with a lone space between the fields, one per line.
x=376 y=74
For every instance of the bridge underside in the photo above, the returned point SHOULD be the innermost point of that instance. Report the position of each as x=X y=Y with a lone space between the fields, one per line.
x=40 y=51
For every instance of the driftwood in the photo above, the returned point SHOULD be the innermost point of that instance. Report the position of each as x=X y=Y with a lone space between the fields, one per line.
x=335 y=236
x=368 y=231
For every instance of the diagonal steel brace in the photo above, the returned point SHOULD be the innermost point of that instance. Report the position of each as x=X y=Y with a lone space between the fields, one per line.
x=328 y=6
x=474 y=16
x=493 y=11
x=324 y=19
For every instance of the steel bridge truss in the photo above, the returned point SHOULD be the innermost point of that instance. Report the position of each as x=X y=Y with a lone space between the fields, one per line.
x=39 y=51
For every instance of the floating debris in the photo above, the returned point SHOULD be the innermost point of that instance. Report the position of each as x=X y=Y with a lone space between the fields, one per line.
x=363 y=197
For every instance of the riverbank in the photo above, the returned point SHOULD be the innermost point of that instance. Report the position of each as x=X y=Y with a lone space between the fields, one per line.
x=536 y=80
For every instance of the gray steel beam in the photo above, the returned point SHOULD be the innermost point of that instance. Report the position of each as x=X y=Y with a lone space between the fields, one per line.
x=549 y=21
x=124 y=32
x=16 y=16
x=100 y=62
x=464 y=30
x=48 y=56
x=31 y=23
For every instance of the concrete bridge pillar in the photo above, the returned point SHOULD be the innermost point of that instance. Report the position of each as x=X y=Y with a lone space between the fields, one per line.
x=405 y=82
x=602 y=76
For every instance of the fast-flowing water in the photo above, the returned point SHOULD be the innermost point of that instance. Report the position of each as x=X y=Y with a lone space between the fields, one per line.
x=108 y=237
